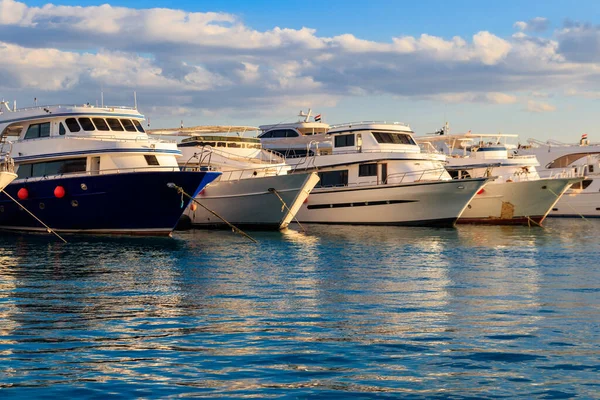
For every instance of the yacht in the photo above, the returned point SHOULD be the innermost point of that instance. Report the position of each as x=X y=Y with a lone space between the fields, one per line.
x=375 y=173
x=570 y=159
x=295 y=139
x=86 y=169
x=255 y=189
x=516 y=196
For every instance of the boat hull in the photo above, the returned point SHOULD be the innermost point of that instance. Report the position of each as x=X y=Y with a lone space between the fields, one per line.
x=434 y=203
x=6 y=178
x=576 y=205
x=250 y=203
x=137 y=203
x=515 y=203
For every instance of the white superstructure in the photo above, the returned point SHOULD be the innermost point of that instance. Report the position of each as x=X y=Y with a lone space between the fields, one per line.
x=375 y=173
x=577 y=159
x=517 y=195
x=254 y=189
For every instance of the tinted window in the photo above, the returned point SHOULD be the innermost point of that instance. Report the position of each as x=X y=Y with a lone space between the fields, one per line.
x=101 y=124
x=220 y=144
x=114 y=124
x=86 y=124
x=72 y=125
x=38 y=130
x=61 y=129
x=151 y=160
x=291 y=133
x=52 y=168
x=392 y=137
x=266 y=135
x=138 y=126
x=333 y=178
x=344 y=140
x=367 y=170
x=128 y=125
x=280 y=133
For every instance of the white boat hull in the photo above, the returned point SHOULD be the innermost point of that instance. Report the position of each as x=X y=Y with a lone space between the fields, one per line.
x=6 y=178
x=433 y=203
x=251 y=203
x=577 y=204
x=515 y=203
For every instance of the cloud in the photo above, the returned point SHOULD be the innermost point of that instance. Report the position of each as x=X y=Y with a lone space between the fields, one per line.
x=537 y=24
x=539 y=107
x=211 y=63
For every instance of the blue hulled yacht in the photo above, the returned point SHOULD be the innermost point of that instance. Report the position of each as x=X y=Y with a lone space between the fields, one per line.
x=86 y=169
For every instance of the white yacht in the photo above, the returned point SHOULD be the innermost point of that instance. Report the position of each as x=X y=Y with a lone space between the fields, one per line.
x=517 y=195
x=576 y=159
x=86 y=169
x=296 y=139
x=255 y=189
x=375 y=173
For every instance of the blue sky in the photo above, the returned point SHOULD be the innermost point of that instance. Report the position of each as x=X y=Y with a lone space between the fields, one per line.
x=526 y=67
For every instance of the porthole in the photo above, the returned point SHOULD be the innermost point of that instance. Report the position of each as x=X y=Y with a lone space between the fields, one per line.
x=1 y=208
x=42 y=206
x=469 y=207
x=83 y=186
x=74 y=203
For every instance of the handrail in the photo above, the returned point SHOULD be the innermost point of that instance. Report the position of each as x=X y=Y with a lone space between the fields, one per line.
x=112 y=171
x=246 y=173
x=367 y=123
x=41 y=107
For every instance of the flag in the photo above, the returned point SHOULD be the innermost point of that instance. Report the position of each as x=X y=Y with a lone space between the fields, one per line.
x=584 y=136
x=317 y=118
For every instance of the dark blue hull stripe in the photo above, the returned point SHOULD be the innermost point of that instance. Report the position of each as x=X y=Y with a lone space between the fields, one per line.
x=134 y=203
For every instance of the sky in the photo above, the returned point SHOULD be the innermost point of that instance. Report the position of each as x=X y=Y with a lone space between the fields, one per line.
x=525 y=67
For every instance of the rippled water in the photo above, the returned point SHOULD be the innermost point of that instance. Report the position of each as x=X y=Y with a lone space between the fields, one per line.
x=344 y=311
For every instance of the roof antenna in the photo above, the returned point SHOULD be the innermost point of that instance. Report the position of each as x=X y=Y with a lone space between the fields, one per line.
x=102 y=98
x=134 y=100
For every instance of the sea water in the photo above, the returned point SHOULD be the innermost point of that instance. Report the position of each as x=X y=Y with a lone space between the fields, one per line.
x=337 y=311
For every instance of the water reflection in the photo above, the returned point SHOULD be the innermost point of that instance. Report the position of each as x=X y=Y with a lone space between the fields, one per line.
x=336 y=310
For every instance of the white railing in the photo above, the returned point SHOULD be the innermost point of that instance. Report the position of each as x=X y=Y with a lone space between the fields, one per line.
x=157 y=168
x=343 y=125
x=41 y=107
x=248 y=173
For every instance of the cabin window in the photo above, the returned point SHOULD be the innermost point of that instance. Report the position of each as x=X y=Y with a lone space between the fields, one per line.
x=393 y=138
x=61 y=129
x=151 y=160
x=266 y=135
x=333 y=178
x=72 y=125
x=590 y=168
x=114 y=124
x=367 y=170
x=86 y=124
x=138 y=126
x=101 y=124
x=221 y=144
x=38 y=130
x=128 y=125
x=40 y=169
x=344 y=140
x=211 y=144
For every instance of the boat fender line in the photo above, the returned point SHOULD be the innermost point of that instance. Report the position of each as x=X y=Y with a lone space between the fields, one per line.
x=529 y=221
x=50 y=230
x=571 y=207
x=274 y=191
x=233 y=227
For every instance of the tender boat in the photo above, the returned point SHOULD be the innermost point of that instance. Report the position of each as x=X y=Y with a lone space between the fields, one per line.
x=576 y=159
x=374 y=173
x=86 y=169
x=255 y=189
x=516 y=196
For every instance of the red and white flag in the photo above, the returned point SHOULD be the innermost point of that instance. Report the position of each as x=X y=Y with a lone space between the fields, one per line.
x=317 y=118
x=584 y=136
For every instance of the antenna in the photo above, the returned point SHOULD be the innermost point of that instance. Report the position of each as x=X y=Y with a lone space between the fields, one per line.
x=102 y=98
x=134 y=100
x=15 y=105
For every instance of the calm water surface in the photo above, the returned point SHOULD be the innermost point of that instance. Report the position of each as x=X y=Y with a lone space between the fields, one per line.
x=472 y=312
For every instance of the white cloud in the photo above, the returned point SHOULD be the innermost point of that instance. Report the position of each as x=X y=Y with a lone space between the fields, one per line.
x=537 y=24
x=472 y=97
x=539 y=107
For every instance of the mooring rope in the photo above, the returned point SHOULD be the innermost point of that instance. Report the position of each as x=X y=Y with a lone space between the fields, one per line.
x=50 y=230
x=233 y=227
x=571 y=207
x=274 y=191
